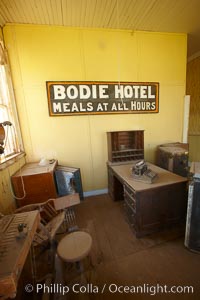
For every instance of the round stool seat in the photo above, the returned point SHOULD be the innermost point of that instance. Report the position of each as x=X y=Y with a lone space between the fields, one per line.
x=74 y=246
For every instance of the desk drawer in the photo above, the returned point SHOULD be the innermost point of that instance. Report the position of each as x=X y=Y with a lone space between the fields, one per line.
x=130 y=197
x=130 y=201
x=129 y=191
x=130 y=214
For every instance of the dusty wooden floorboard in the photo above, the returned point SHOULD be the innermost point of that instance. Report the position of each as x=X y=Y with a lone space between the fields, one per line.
x=119 y=257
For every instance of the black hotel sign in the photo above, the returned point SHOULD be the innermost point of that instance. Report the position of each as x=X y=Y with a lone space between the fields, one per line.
x=80 y=98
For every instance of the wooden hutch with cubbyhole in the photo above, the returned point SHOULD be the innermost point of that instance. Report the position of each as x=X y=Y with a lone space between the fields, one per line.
x=125 y=146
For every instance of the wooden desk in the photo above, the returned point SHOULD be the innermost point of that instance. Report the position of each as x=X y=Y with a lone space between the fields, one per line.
x=149 y=207
x=14 y=249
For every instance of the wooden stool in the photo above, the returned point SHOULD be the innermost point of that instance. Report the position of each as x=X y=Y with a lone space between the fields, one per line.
x=74 y=247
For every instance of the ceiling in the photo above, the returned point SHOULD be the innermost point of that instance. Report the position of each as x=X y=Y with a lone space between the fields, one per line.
x=181 y=16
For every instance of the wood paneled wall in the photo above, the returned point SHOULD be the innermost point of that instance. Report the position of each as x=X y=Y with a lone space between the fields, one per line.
x=194 y=147
x=7 y=201
x=193 y=89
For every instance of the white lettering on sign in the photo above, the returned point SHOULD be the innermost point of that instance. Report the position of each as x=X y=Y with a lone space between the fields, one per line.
x=119 y=91
x=102 y=92
x=150 y=96
x=99 y=97
x=72 y=92
x=57 y=107
x=143 y=92
x=85 y=92
x=136 y=91
x=59 y=92
x=128 y=92
x=66 y=107
x=114 y=107
x=99 y=107
x=90 y=106
x=94 y=91
x=142 y=105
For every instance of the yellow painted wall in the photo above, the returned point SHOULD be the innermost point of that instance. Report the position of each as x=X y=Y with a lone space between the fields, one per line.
x=41 y=53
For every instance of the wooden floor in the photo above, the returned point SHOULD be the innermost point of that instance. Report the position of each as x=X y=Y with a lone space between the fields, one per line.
x=120 y=259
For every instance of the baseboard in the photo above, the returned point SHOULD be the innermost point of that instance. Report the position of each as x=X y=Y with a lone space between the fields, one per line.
x=94 y=193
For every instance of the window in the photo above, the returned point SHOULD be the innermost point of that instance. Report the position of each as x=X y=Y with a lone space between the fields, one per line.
x=12 y=144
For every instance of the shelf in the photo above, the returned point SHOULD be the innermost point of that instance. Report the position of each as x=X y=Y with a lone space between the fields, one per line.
x=126 y=156
x=127 y=150
x=125 y=145
x=128 y=159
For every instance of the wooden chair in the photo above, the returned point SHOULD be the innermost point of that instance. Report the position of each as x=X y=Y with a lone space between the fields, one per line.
x=53 y=213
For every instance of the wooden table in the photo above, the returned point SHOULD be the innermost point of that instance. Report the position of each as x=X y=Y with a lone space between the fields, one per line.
x=149 y=207
x=14 y=248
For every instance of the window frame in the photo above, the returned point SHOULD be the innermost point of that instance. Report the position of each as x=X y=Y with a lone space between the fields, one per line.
x=13 y=139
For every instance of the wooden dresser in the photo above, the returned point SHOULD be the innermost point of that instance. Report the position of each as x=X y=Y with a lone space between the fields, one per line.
x=149 y=207
x=36 y=181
